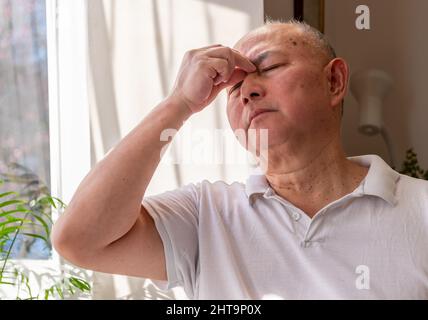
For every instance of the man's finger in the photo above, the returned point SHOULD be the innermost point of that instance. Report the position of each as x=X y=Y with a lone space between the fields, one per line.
x=237 y=76
x=222 y=69
x=237 y=59
x=243 y=62
x=211 y=46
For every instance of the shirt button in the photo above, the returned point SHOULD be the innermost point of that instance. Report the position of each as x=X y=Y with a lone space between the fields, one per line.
x=296 y=216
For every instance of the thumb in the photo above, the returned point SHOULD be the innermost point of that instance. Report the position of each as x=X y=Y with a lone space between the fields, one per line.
x=237 y=76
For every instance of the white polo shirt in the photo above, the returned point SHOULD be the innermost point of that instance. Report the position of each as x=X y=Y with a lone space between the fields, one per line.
x=245 y=242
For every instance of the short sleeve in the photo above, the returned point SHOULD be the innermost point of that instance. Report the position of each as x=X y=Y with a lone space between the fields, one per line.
x=175 y=214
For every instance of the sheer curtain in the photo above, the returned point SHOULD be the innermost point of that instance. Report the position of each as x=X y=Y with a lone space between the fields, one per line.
x=135 y=50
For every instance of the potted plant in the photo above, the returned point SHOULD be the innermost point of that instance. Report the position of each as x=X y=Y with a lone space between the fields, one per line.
x=411 y=166
x=25 y=220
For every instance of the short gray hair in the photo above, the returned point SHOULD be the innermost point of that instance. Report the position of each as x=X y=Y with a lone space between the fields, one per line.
x=320 y=40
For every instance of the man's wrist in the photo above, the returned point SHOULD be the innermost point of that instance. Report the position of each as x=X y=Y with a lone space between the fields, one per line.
x=179 y=105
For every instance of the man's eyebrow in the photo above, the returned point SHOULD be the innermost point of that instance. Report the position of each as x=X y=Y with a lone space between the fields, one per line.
x=260 y=58
x=234 y=87
x=257 y=61
x=264 y=55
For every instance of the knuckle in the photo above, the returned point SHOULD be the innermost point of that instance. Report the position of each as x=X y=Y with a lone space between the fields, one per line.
x=190 y=54
x=201 y=63
x=230 y=57
x=222 y=67
x=198 y=56
x=226 y=66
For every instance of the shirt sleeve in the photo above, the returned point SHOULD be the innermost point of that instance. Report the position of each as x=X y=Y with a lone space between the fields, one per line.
x=175 y=214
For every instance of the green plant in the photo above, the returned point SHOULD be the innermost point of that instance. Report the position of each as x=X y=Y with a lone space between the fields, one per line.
x=411 y=166
x=27 y=215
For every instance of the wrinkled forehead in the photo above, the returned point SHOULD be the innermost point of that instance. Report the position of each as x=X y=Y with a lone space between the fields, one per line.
x=268 y=35
x=287 y=39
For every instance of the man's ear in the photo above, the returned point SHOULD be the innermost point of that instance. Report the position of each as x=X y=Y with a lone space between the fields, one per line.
x=337 y=72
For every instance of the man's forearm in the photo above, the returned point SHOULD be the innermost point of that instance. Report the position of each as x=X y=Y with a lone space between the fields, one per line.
x=107 y=202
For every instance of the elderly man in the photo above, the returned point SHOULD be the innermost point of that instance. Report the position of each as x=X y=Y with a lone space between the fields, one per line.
x=315 y=224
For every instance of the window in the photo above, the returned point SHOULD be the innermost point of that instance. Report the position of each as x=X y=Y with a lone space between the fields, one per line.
x=24 y=113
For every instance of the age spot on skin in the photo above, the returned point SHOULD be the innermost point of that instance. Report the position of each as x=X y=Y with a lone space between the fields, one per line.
x=293 y=41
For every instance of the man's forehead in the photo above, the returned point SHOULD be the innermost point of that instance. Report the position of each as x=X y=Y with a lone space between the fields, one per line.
x=265 y=38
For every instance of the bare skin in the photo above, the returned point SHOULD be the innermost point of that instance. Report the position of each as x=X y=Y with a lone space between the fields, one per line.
x=105 y=227
x=303 y=90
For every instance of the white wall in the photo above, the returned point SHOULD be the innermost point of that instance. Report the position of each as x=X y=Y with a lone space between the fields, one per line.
x=396 y=43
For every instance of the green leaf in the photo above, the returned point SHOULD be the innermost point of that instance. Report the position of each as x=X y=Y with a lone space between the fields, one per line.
x=3 y=226
x=8 y=275
x=47 y=216
x=70 y=289
x=50 y=291
x=12 y=219
x=44 y=224
x=80 y=284
x=5 y=213
x=50 y=200
x=46 y=296
x=11 y=272
x=60 y=292
x=9 y=230
x=63 y=205
x=33 y=235
x=10 y=202
x=8 y=193
x=47 y=200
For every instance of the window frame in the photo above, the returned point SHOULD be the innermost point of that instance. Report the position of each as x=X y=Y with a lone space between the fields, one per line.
x=69 y=127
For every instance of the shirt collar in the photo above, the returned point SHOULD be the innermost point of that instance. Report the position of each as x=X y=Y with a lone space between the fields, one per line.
x=256 y=184
x=380 y=181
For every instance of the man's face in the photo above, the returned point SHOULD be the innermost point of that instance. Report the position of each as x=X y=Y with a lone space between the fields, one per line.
x=290 y=84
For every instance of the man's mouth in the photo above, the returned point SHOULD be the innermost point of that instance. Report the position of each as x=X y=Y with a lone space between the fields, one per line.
x=256 y=113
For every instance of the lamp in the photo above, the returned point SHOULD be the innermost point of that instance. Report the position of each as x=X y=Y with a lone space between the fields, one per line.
x=369 y=87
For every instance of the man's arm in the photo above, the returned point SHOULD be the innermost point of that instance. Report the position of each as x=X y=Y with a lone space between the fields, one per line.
x=105 y=227
x=107 y=204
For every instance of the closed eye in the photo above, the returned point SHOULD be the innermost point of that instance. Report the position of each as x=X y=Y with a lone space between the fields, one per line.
x=236 y=86
x=271 y=67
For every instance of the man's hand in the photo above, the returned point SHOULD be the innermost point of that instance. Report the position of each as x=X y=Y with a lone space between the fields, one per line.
x=205 y=72
x=118 y=235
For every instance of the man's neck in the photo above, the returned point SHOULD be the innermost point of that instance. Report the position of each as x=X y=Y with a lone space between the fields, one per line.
x=311 y=181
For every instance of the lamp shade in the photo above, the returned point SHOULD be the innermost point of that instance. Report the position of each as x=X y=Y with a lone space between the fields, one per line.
x=369 y=88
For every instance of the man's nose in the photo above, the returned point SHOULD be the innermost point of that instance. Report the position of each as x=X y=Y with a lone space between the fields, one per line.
x=251 y=90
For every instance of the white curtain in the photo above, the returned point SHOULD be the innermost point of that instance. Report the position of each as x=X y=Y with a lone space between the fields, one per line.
x=135 y=50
